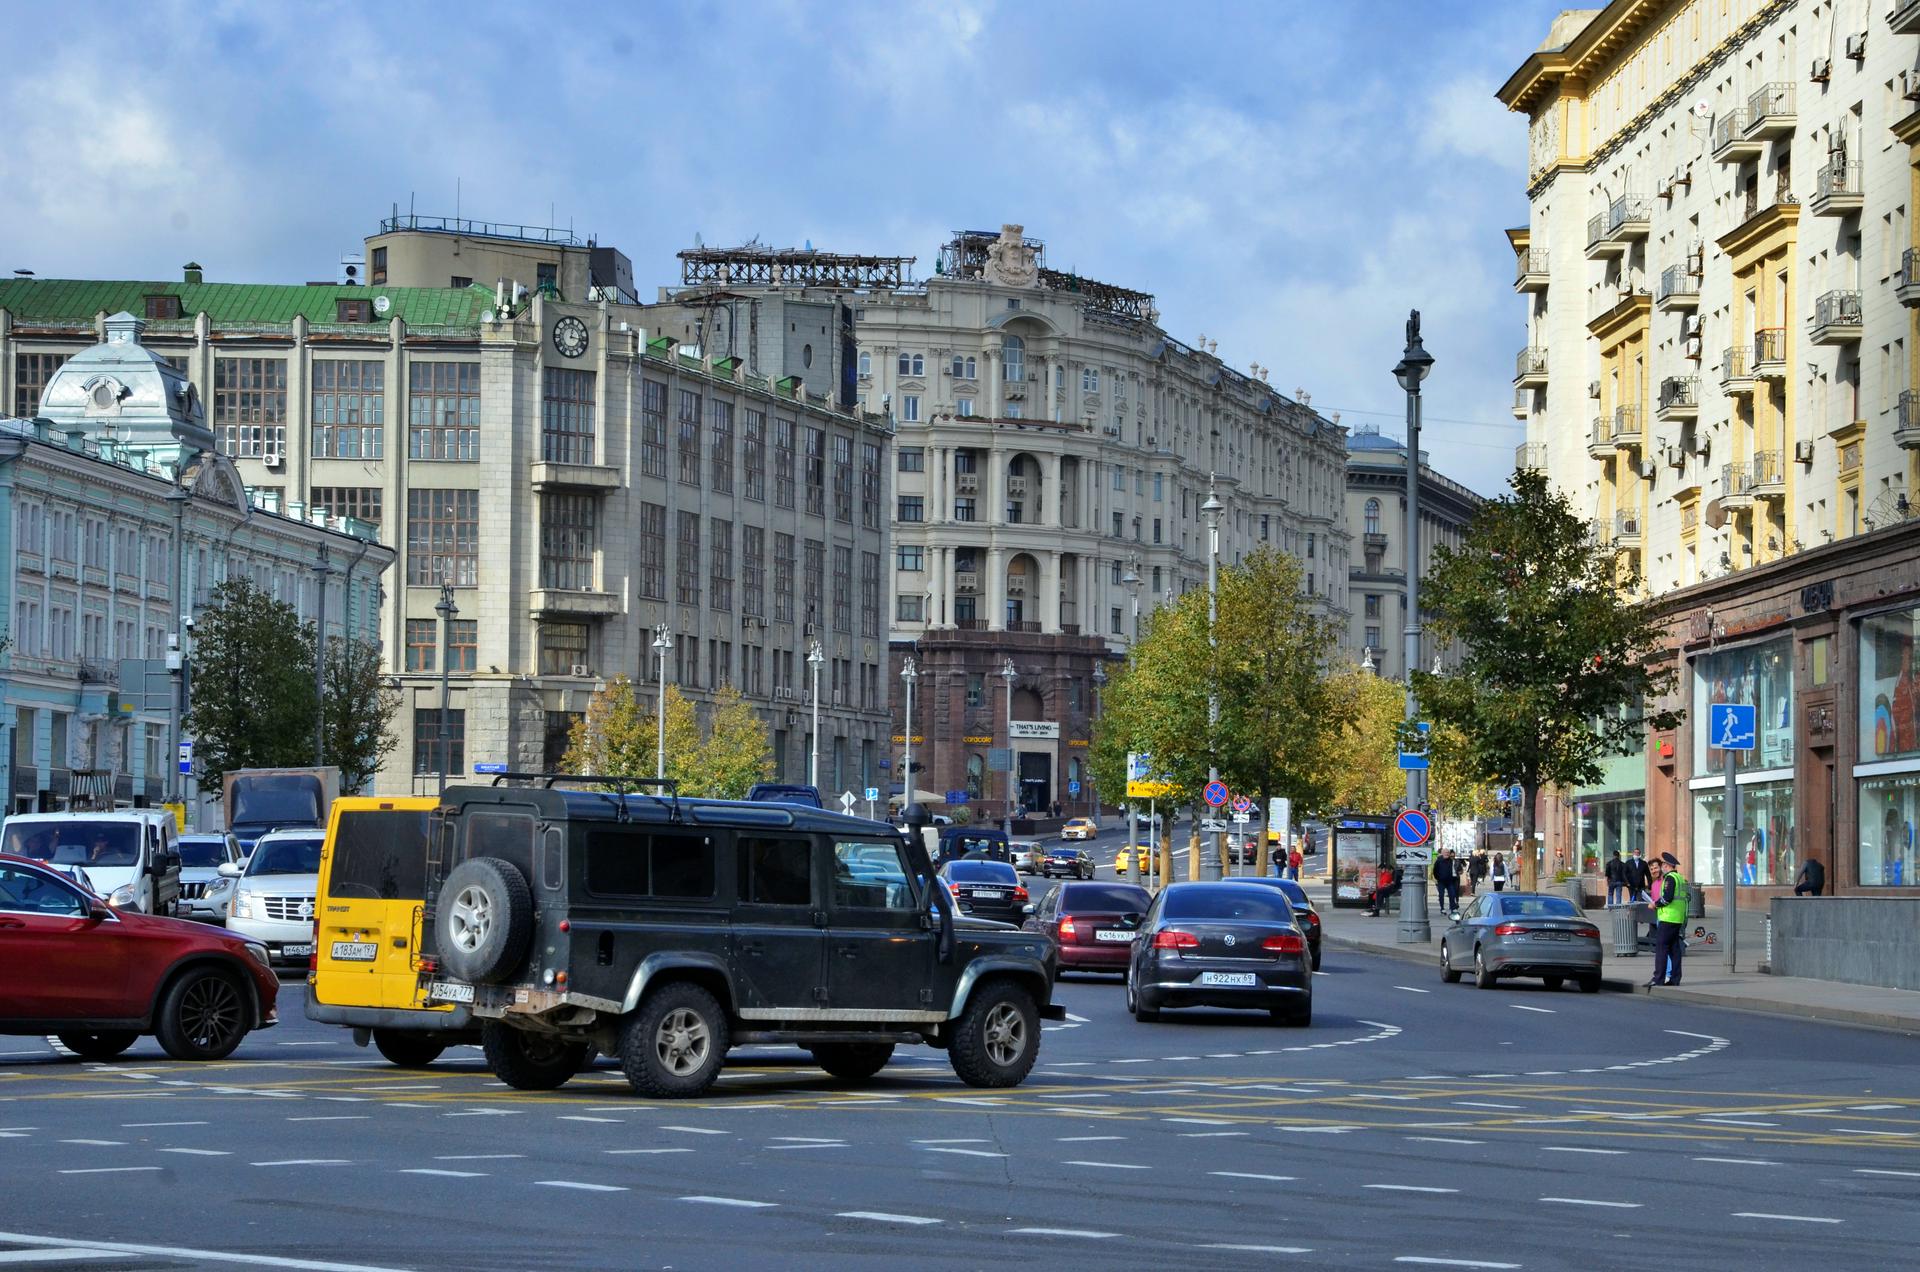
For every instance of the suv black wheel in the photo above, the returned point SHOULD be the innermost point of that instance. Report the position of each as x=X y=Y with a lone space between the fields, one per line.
x=408 y=1050
x=529 y=1061
x=674 y=1045
x=98 y=1046
x=484 y=921
x=203 y=1016
x=853 y=1061
x=997 y=1038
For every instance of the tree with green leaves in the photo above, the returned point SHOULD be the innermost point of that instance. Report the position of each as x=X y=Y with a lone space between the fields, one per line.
x=1555 y=660
x=356 y=730
x=738 y=752
x=252 y=701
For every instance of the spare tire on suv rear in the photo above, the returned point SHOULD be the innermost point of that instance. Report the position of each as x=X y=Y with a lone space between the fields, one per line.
x=484 y=920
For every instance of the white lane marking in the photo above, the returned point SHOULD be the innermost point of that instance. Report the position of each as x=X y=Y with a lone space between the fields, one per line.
x=1871 y=1108
x=1441 y=1139
x=1903 y=1174
x=1758 y=1214
x=479 y=1157
x=1521 y=1007
x=1587 y=1201
x=1243 y=1174
x=1485 y=1104
x=881 y=1216
x=1607 y=1152
x=643 y=1152
x=308 y=1161
x=1684 y=1034
x=775 y=1148
x=486 y=1113
x=16 y=1257
x=693 y=1130
x=201 y=1256
x=303 y=1044
x=1109 y=1165
x=807 y=1139
x=134 y=1125
x=1737 y=1161
x=1262 y=1249
x=950 y=1141
x=579 y=1117
x=1893 y=1133
x=1319 y=1130
x=98 y=1143
x=1411 y=990
x=1414 y=1188
x=1087 y=1139
x=1199 y=1121
x=568 y=1183
x=1452 y=1263
x=198 y=1152
x=704 y=1200
x=333 y=1117
x=447 y=1174
x=1088 y=1233
x=965 y=1152
x=108 y=1170
x=1211 y=1134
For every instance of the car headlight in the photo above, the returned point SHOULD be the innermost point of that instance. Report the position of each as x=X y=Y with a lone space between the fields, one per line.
x=122 y=895
x=220 y=883
x=242 y=907
x=259 y=953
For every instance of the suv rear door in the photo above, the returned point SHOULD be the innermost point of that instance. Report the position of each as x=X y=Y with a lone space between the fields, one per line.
x=779 y=927
x=880 y=950
x=372 y=885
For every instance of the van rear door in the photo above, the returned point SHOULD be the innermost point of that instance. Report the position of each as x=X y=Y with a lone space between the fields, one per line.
x=372 y=890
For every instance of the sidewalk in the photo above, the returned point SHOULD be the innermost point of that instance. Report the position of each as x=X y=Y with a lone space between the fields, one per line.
x=1706 y=979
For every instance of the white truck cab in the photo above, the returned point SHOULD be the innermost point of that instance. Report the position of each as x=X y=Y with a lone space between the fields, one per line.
x=131 y=856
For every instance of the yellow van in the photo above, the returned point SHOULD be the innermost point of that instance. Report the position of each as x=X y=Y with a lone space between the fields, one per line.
x=366 y=957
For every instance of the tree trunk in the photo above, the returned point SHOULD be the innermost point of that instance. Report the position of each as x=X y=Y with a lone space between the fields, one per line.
x=1193 y=846
x=1262 y=847
x=1526 y=870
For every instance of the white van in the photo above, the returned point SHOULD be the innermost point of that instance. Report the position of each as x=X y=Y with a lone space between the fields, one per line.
x=130 y=857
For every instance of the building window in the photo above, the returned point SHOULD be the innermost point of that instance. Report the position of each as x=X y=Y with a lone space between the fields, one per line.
x=557 y=739
x=1116 y=620
x=813 y=579
x=965 y=368
x=1758 y=674
x=870 y=594
x=31 y=371
x=433 y=753
x=783 y=463
x=443 y=411
x=963 y=407
x=912 y=508
x=842 y=589
x=913 y=459
x=463 y=643
x=865 y=364
x=1156 y=529
x=379 y=266
x=908 y=607
x=458 y=281
x=816 y=455
x=345 y=310
x=653 y=428
x=686 y=573
x=349 y=409
x=976 y=688
x=423 y=638
x=910 y=558
x=753 y=562
x=1373 y=516
x=913 y=364
x=563 y=647
x=754 y=456
x=547 y=277
x=566 y=416
x=782 y=578
x=1158 y=486
x=360 y=502
x=721 y=443
x=1310 y=542
x=870 y=485
x=1089 y=380
x=1013 y=359
x=1373 y=637
x=720 y=559
x=163 y=307
x=250 y=406
x=687 y=446
x=909 y=408
x=443 y=537
x=567 y=542
x=963 y=509
x=652 y=578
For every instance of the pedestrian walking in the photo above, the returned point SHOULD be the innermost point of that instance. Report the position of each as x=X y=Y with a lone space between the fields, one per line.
x=1639 y=877
x=1812 y=881
x=1294 y=862
x=1670 y=913
x=1617 y=878
x=1498 y=873
x=1446 y=880
x=1477 y=870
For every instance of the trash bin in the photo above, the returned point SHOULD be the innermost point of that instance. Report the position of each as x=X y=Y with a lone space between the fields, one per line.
x=1626 y=930
x=1696 y=901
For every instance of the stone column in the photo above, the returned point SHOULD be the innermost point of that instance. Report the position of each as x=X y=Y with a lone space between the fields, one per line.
x=940 y=484
x=990 y=369
x=1049 y=598
x=1049 y=490
x=996 y=589
x=937 y=589
x=996 y=491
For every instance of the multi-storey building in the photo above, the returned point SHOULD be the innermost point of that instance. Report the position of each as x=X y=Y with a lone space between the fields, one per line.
x=1719 y=277
x=117 y=518
x=577 y=483
x=1376 y=520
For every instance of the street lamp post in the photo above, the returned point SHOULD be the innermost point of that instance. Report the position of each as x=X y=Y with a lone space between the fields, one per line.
x=662 y=645
x=1412 y=369
x=814 y=659
x=1131 y=581
x=447 y=611
x=1007 y=673
x=909 y=674
x=1211 y=510
x=1093 y=787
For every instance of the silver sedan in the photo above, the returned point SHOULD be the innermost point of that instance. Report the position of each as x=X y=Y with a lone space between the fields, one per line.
x=1505 y=934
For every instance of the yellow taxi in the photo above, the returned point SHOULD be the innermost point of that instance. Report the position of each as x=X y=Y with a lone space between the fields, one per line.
x=1079 y=828
x=367 y=928
x=1136 y=859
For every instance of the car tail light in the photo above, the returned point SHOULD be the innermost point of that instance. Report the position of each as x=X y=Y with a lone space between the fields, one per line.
x=1172 y=940
x=1285 y=943
x=428 y=963
x=954 y=888
x=1313 y=919
x=1066 y=926
x=1019 y=893
x=1512 y=929
x=1593 y=933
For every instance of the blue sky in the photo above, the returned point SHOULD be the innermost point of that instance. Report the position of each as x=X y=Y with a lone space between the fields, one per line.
x=1287 y=177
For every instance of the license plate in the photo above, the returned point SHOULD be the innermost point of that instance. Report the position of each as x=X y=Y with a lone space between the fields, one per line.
x=450 y=992
x=1551 y=936
x=295 y=951
x=1229 y=978
x=988 y=894
x=1112 y=935
x=355 y=951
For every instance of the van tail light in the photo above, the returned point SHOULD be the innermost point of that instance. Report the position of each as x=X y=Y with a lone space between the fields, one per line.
x=1169 y=939
x=1512 y=929
x=1285 y=943
x=1066 y=927
x=429 y=964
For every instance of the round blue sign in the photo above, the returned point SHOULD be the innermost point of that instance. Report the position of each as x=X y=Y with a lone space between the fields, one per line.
x=1216 y=793
x=1412 y=828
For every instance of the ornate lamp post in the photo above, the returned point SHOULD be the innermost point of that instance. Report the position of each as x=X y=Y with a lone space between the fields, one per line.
x=662 y=645
x=814 y=659
x=447 y=611
x=909 y=674
x=1007 y=673
x=1211 y=510
x=1093 y=787
x=1412 y=369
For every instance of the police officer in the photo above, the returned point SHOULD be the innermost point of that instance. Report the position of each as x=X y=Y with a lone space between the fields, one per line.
x=1670 y=913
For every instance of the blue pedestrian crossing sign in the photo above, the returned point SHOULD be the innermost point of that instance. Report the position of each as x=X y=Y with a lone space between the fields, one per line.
x=1730 y=726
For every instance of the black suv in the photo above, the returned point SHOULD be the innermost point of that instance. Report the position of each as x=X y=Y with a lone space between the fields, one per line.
x=665 y=931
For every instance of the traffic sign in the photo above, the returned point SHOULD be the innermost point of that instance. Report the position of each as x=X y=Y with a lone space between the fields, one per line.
x=1073 y=788
x=1213 y=826
x=1730 y=726
x=873 y=793
x=1242 y=819
x=956 y=797
x=1418 y=856
x=1413 y=744
x=186 y=756
x=1241 y=804
x=1412 y=828
x=1216 y=793
x=489 y=766
x=847 y=801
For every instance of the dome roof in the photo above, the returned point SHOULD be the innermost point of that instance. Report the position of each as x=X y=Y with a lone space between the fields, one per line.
x=124 y=391
x=1368 y=438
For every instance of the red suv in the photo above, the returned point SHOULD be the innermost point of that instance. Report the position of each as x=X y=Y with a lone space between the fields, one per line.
x=97 y=978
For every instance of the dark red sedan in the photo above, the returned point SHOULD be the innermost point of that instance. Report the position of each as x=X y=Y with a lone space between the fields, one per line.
x=1091 y=923
x=98 y=978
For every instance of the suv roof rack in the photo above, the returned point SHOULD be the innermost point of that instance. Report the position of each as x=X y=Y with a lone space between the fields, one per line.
x=621 y=782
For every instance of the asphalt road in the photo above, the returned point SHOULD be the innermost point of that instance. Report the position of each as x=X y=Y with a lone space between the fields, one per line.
x=1414 y=1124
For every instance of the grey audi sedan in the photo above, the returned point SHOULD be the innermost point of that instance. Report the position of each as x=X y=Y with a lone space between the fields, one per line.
x=1220 y=945
x=1503 y=934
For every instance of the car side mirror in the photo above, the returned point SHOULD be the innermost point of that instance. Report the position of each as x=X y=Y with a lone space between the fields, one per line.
x=229 y=870
x=1029 y=908
x=97 y=912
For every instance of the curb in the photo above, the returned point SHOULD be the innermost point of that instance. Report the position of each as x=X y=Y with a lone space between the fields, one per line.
x=1422 y=955
x=1768 y=1007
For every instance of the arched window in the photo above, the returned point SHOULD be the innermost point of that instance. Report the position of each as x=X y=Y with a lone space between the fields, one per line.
x=976 y=775
x=1013 y=359
x=1373 y=516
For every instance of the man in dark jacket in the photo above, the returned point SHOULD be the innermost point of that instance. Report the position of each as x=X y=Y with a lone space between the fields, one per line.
x=1639 y=877
x=1616 y=878
x=1812 y=881
x=1446 y=881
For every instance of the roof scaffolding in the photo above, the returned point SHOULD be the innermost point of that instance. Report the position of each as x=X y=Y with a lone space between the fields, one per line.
x=757 y=265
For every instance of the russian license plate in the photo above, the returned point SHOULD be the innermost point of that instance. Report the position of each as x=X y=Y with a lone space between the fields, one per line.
x=989 y=894
x=1229 y=978
x=450 y=992
x=296 y=951
x=355 y=951
x=1113 y=934
x=1552 y=936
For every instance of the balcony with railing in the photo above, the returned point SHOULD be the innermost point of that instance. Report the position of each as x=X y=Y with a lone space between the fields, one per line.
x=1731 y=144
x=1770 y=353
x=1530 y=457
x=1679 y=289
x=1626 y=529
x=1756 y=202
x=1600 y=439
x=1904 y=17
x=1836 y=319
x=1530 y=269
x=1627 y=220
x=1679 y=398
x=1735 y=486
x=1836 y=188
x=1530 y=368
x=1906 y=279
x=1766 y=475
x=1770 y=111
x=1906 y=420
x=1597 y=245
x=1736 y=377
x=1626 y=427
x=1522 y=403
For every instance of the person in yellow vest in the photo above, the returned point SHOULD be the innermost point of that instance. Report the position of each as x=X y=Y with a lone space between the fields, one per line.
x=1670 y=914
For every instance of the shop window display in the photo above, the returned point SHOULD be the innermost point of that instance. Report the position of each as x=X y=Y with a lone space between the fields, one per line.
x=1889 y=813
x=1759 y=675
x=1889 y=700
x=1766 y=852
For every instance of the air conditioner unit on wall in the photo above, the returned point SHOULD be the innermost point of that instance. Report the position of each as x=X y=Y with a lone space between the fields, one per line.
x=272 y=458
x=1803 y=452
x=1822 y=70
x=1857 y=46
x=1690 y=325
x=1675 y=456
x=1593 y=389
x=1693 y=347
x=1647 y=469
x=1910 y=85
x=579 y=669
